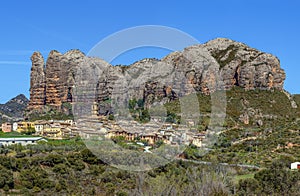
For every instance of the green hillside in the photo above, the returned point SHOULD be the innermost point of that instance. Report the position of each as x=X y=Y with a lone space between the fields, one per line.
x=272 y=129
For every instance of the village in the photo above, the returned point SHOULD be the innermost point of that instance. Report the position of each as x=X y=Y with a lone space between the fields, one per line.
x=130 y=130
x=100 y=126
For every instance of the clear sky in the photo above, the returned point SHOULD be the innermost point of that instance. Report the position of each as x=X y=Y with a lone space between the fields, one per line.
x=272 y=26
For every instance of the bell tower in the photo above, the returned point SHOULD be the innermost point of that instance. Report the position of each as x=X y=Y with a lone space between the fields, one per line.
x=95 y=109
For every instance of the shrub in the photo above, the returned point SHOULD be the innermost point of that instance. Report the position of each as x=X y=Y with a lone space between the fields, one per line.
x=61 y=169
x=6 y=178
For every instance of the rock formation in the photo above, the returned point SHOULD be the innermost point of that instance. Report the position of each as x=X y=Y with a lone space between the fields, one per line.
x=51 y=83
x=37 y=82
x=246 y=67
x=13 y=110
x=202 y=66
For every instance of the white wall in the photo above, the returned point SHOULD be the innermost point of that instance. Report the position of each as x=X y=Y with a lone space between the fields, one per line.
x=294 y=165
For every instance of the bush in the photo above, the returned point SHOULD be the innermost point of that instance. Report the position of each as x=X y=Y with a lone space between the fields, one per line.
x=20 y=155
x=61 y=169
x=89 y=157
x=76 y=163
x=6 y=178
x=248 y=186
x=35 y=177
x=52 y=160
x=278 y=180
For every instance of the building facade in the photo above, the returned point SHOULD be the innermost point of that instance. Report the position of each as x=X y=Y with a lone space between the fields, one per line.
x=6 y=127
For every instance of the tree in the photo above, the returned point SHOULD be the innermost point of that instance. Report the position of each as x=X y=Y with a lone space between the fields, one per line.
x=131 y=104
x=171 y=117
x=278 y=179
x=52 y=160
x=61 y=169
x=140 y=103
x=248 y=186
x=6 y=178
x=35 y=177
x=111 y=117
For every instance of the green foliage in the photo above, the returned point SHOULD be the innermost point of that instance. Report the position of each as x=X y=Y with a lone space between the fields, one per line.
x=75 y=162
x=67 y=105
x=6 y=178
x=29 y=131
x=61 y=169
x=52 y=159
x=137 y=110
x=276 y=180
x=171 y=117
x=51 y=114
x=191 y=152
x=88 y=157
x=131 y=104
x=248 y=186
x=111 y=117
x=6 y=188
x=140 y=103
x=20 y=155
x=11 y=134
x=221 y=53
x=35 y=177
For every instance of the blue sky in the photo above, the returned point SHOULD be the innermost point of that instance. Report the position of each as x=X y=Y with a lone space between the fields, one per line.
x=272 y=26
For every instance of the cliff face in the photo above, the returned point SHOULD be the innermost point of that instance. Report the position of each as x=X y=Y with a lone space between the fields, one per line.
x=37 y=82
x=51 y=83
x=246 y=67
x=238 y=64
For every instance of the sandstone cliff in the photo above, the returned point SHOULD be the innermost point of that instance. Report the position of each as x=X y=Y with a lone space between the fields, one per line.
x=51 y=83
x=237 y=64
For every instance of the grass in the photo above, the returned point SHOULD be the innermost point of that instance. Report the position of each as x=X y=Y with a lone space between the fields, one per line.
x=64 y=142
x=13 y=134
x=242 y=177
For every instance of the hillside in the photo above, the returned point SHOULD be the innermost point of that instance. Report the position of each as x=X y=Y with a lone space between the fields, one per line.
x=260 y=126
x=14 y=109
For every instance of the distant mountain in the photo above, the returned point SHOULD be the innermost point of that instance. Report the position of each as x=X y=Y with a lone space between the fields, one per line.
x=13 y=110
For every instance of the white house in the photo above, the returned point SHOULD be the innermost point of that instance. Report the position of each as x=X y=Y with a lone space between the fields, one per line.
x=295 y=165
x=15 y=126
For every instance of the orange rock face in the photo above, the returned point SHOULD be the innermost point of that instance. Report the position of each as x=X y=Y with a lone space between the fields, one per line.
x=37 y=82
x=52 y=83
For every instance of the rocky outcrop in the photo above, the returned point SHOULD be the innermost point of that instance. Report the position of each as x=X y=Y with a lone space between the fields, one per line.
x=54 y=75
x=246 y=67
x=37 y=82
x=217 y=64
x=51 y=83
x=60 y=76
x=13 y=110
